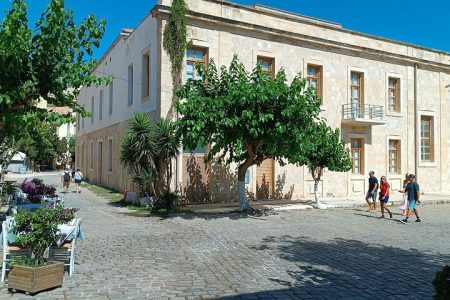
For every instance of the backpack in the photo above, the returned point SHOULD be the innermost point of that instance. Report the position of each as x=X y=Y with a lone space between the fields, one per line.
x=66 y=177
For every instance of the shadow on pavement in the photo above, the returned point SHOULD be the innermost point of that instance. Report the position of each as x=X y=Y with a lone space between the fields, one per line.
x=348 y=269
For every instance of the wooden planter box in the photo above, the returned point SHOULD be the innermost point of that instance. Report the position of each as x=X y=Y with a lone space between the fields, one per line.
x=33 y=280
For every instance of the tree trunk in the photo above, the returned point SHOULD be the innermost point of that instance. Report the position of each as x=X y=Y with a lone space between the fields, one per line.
x=242 y=195
x=316 y=193
x=316 y=175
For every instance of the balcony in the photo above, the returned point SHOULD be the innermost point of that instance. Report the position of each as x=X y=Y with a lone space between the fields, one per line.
x=365 y=115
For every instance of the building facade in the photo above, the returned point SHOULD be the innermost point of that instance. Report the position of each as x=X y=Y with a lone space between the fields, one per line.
x=388 y=98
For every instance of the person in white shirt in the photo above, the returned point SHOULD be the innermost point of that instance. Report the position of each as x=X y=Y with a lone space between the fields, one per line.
x=78 y=178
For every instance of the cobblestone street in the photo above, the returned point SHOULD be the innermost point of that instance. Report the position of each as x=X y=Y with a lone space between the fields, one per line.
x=310 y=254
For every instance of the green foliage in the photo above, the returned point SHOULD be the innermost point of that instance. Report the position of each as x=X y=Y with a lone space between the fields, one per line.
x=175 y=43
x=106 y=193
x=7 y=150
x=71 y=144
x=323 y=148
x=246 y=116
x=441 y=284
x=168 y=201
x=39 y=229
x=41 y=143
x=148 y=148
x=50 y=62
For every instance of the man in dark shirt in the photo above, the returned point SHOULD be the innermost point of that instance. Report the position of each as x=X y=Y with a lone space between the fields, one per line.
x=413 y=191
x=371 y=195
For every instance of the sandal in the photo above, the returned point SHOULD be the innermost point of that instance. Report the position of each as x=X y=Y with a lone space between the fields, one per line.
x=390 y=215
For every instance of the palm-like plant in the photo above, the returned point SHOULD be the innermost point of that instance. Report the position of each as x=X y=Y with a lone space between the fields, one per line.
x=148 y=148
x=168 y=149
x=139 y=148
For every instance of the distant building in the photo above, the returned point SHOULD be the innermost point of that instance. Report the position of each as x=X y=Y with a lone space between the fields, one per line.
x=390 y=99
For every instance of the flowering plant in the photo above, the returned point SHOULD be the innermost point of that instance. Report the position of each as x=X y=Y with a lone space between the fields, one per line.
x=36 y=189
x=37 y=230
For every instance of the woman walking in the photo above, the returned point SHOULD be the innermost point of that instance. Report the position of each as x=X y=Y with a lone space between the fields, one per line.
x=405 y=204
x=78 y=178
x=384 y=196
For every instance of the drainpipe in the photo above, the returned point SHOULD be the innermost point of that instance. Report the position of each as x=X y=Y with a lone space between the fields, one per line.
x=416 y=126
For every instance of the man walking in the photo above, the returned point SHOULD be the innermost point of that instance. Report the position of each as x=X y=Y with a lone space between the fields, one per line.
x=413 y=196
x=65 y=179
x=371 y=195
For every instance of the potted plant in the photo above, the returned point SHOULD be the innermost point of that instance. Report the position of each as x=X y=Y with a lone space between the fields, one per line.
x=36 y=189
x=37 y=231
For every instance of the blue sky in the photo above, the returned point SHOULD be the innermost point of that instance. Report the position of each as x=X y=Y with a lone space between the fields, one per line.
x=425 y=23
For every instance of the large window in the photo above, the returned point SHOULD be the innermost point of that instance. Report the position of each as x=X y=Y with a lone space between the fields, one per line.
x=92 y=155
x=267 y=64
x=314 y=78
x=426 y=138
x=111 y=98
x=195 y=56
x=130 y=85
x=110 y=155
x=146 y=75
x=100 y=105
x=394 y=95
x=394 y=156
x=356 y=92
x=92 y=110
x=357 y=155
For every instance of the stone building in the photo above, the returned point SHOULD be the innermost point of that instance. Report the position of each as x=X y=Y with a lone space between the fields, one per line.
x=389 y=99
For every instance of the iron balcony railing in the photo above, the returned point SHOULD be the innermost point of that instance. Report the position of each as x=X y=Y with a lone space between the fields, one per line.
x=366 y=111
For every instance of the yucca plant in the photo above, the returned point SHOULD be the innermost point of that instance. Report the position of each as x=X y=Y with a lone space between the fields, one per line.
x=148 y=148
x=168 y=149
x=139 y=148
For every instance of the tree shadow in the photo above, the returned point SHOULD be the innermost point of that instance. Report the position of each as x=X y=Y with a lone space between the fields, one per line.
x=347 y=269
x=223 y=184
x=279 y=188
x=195 y=188
x=263 y=189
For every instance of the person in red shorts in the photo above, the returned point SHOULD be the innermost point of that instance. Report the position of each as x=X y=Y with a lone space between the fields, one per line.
x=384 y=196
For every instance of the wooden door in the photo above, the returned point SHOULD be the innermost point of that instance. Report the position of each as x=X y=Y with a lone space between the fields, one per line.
x=265 y=179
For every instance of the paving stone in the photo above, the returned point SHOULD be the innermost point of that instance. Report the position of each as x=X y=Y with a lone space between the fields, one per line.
x=312 y=254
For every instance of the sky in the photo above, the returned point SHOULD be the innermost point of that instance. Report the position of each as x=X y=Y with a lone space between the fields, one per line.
x=424 y=23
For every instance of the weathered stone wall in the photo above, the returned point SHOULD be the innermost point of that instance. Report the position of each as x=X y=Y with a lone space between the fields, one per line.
x=226 y=29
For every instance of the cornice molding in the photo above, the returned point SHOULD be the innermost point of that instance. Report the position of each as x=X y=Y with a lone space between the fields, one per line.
x=163 y=11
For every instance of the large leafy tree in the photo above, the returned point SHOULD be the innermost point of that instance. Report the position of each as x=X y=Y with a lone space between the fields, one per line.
x=322 y=149
x=50 y=61
x=42 y=144
x=246 y=117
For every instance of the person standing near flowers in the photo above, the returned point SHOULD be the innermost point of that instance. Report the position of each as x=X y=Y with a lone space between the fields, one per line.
x=385 y=191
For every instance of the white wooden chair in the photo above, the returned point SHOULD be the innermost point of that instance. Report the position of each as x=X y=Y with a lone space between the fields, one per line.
x=10 y=250
x=66 y=251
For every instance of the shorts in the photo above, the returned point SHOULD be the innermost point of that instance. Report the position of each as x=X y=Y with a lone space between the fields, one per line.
x=386 y=199
x=78 y=181
x=412 y=204
x=66 y=184
x=371 y=196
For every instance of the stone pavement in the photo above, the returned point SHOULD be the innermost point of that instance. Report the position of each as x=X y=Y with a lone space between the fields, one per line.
x=345 y=253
